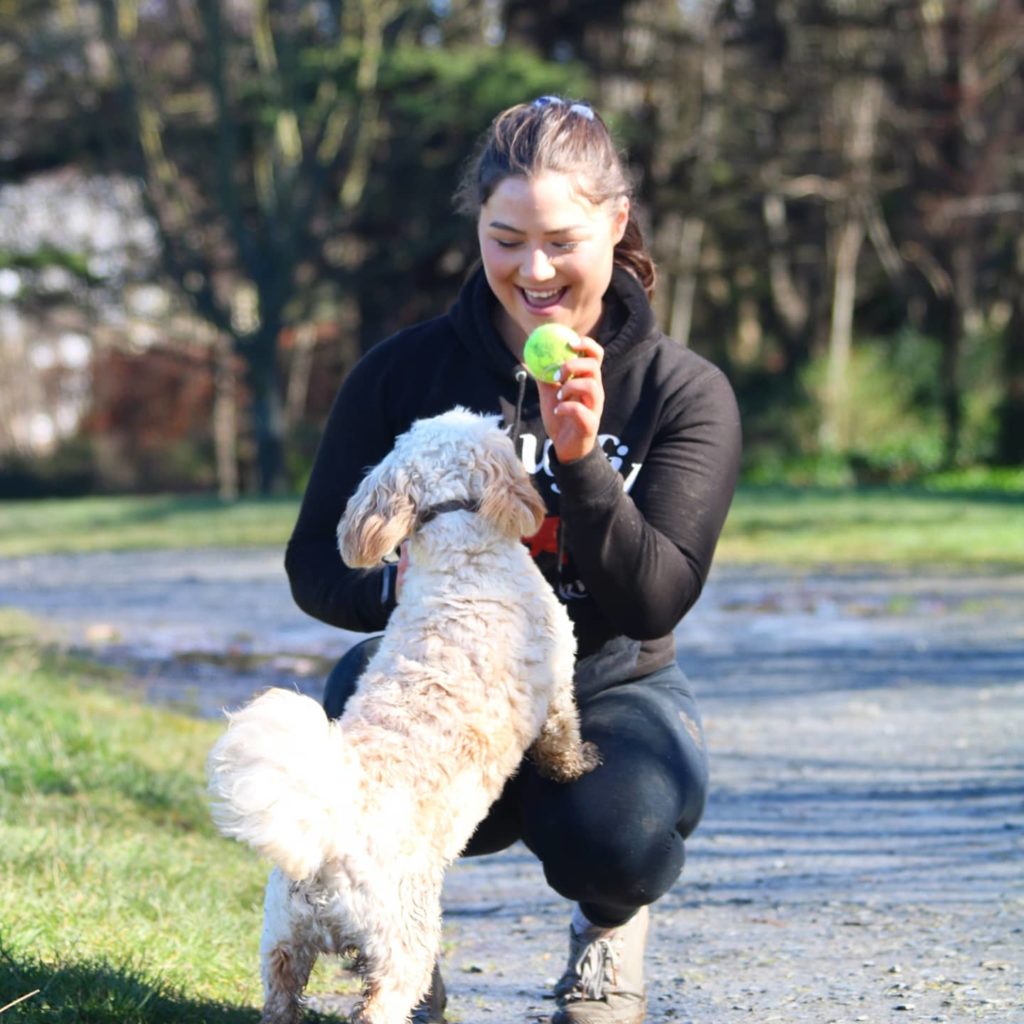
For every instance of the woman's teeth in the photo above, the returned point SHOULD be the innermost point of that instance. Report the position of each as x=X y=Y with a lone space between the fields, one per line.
x=542 y=298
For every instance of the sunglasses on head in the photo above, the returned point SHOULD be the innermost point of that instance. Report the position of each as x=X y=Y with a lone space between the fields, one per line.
x=556 y=101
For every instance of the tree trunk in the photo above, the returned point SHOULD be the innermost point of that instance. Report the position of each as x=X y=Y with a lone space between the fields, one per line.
x=953 y=338
x=299 y=371
x=225 y=419
x=789 y=302
x=834 y=425
x=1010 y=438
x=691 y=233
x=860 y=120
x=14 y=381
x=684 y=286
x=267 y=409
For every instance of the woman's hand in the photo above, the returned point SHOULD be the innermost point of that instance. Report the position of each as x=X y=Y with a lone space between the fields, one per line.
x=572 y=408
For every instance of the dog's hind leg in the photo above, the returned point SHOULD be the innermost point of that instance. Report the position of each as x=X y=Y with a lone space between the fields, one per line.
x=287 y=953
x=399 y=956
x=559 y=752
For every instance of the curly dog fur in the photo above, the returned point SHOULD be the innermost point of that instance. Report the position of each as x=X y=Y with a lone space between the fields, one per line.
x=362 y=816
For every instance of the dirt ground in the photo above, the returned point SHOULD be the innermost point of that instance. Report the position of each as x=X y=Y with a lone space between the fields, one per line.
x=861 y=854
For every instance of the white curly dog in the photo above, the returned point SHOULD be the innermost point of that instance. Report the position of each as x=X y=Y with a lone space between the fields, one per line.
x=362 y=815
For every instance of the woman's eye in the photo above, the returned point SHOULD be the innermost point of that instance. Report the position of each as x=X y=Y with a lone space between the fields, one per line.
x=556 y=247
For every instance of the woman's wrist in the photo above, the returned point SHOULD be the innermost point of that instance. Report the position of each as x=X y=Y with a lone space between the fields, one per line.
x=574 y=453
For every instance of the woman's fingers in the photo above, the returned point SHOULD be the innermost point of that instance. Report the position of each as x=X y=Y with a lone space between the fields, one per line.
x=572 y=407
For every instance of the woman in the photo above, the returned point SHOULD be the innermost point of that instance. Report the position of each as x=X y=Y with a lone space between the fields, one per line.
x=635 y=450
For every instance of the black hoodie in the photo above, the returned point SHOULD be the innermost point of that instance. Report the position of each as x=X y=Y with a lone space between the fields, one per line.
x=632 y=527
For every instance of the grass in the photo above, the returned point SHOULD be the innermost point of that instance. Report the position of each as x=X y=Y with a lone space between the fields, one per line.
x=118 y=901
x=806 y=527
x=799 y=527
x=137 y=523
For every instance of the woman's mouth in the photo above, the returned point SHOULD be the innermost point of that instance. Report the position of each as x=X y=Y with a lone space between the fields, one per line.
x=541 y=299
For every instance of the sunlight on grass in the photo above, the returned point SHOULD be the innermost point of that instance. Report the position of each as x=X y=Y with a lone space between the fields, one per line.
x=118 y=900
x=114 y=888
x=793 y=526
x=131 y=523
x=905 y=528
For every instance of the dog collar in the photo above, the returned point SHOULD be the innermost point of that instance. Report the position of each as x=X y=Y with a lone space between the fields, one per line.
x=433 y=511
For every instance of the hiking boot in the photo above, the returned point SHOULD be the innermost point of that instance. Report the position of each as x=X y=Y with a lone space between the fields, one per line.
x=431 y=1007
x=604 y=979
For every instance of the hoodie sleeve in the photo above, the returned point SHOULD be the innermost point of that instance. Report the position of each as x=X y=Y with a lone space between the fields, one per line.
x=644 y=556
x=355 y=438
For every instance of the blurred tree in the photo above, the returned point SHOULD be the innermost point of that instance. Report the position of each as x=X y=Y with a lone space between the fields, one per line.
x=56 y=110
x=414 y=249
x=255 y=125
x=589 y=31
x=275 y=141
x=963 y=96
x=809 y=172
x=814 y=169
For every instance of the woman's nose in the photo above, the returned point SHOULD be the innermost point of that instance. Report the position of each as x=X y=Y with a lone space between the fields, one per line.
x=537 y=266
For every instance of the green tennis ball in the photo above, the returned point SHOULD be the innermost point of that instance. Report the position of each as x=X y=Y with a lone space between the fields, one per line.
x=547 y=348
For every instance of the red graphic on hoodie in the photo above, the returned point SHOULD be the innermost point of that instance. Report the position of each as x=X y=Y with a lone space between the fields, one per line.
x=545 y=540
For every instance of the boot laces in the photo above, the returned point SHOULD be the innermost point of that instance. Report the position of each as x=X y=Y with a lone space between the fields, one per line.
x=595 y=971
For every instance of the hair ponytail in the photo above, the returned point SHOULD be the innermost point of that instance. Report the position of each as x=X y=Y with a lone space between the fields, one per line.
x=631 y=254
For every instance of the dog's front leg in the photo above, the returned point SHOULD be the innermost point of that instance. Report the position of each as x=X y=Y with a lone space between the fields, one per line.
x=559 y=752
x=287 y=952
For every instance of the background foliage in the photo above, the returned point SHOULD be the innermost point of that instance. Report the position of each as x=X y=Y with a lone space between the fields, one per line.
x=832 y=190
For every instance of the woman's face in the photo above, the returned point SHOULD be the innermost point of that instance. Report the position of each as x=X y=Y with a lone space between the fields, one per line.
x=547 y=253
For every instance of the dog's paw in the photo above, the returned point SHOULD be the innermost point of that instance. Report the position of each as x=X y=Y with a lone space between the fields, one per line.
x=590 y=757
x=569 y=765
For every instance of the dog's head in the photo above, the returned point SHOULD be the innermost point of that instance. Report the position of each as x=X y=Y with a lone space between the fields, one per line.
x=458 y=456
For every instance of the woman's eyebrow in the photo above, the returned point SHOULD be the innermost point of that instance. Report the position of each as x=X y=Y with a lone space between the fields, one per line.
x=501 y=226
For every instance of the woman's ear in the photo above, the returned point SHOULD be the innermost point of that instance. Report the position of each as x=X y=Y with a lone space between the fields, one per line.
x=620 y=218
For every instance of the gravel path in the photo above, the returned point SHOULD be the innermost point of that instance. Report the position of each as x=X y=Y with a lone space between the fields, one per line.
x=861 y=855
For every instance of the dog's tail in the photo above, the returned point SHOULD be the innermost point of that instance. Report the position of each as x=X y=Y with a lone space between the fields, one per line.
x=276 y=778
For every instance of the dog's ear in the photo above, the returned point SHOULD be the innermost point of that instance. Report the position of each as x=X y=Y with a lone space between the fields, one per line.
x=509 y=498
x=378 y=517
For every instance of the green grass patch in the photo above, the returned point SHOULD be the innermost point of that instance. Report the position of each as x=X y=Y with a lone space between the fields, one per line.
x=118 y=900
x=138 y=523
x=798 y=526
x=816 y=526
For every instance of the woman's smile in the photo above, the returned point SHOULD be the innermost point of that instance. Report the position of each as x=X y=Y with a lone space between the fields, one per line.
x=543 y=300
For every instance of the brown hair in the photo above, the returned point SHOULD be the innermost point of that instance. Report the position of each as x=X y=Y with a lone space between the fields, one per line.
x=554 y=134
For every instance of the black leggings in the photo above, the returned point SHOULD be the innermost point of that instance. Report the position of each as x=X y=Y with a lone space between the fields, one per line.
x=613 y=840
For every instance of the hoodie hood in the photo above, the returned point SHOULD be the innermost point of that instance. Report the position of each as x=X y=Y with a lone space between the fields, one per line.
x=473 y=316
